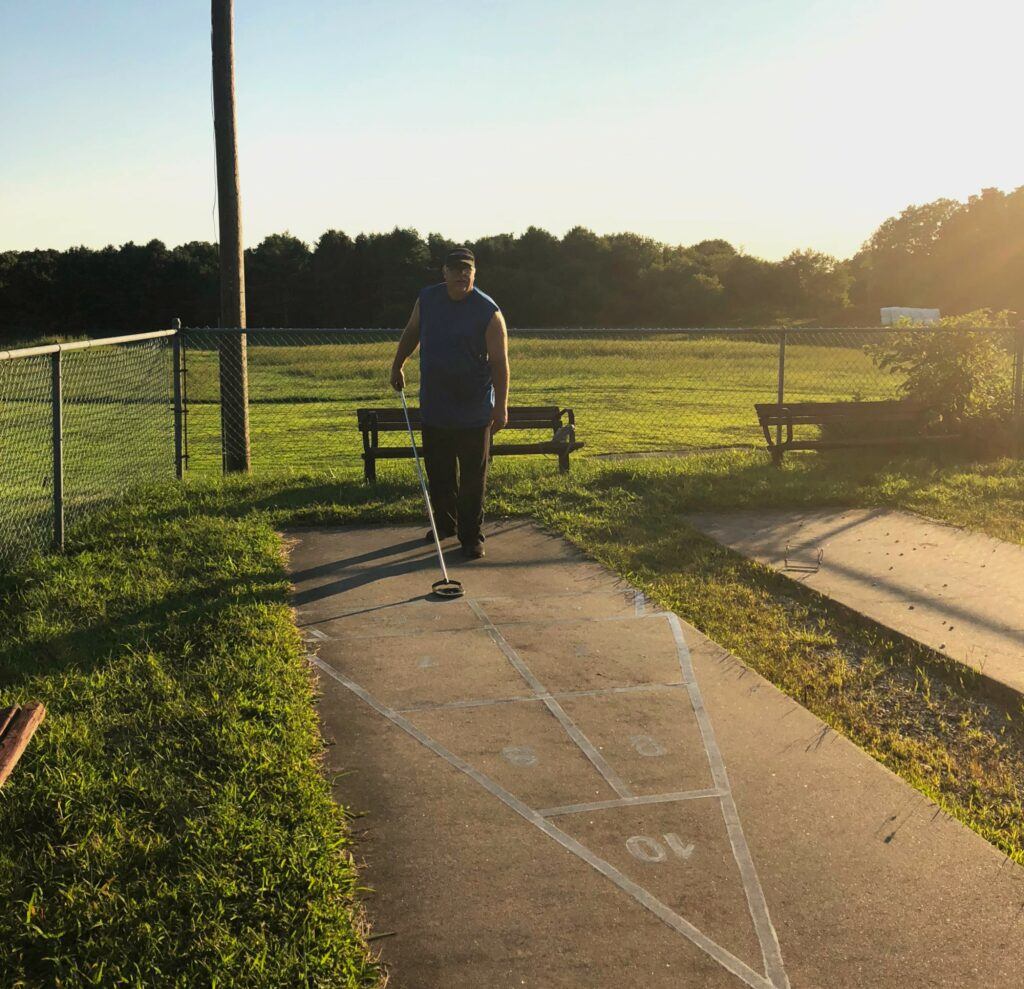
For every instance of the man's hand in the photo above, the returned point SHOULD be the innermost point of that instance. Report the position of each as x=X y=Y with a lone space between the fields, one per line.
x=409 y=342
x=499 y=419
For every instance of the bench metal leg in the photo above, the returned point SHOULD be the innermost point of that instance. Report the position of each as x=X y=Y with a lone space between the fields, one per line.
x=563 y=463
x=369 y=466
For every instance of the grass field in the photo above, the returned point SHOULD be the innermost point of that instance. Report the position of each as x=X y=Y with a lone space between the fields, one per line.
x=630 y=394
x=661 y=392
x=169 y=824
x=914 y=710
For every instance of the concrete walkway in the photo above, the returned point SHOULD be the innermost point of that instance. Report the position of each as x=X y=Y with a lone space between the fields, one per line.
x=560 y=786
x=957 y=591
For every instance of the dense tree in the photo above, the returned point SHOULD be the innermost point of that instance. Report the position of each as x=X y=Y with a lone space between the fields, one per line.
x=955 y=256
x=332 y=285
x=278 y=282
x=814 y=284
x=191 y=289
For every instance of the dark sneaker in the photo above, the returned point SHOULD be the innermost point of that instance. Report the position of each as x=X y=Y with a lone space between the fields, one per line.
x=442 y=534
x=473 y=551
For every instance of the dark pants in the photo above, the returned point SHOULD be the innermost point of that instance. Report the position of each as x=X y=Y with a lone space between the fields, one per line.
x=457 y=497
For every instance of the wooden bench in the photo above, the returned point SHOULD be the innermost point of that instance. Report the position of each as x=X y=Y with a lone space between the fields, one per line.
x=561 y=422
x=887 y=423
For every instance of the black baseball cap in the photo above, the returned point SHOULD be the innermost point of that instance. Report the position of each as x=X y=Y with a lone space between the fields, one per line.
x=460 y=255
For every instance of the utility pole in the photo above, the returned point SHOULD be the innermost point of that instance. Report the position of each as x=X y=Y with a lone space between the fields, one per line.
x=234 y=377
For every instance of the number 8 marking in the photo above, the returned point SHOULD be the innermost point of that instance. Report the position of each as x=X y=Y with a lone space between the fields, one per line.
x=646 y=745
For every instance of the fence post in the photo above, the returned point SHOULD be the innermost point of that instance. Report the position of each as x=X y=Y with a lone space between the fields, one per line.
x=179 y=408
x=782 y=382
x=1018 y=392
x=57 y=400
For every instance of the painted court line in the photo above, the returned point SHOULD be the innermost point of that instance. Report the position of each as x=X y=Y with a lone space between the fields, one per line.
x=611 y=588
x=412 y=633
x=724 y=958
x=658 y=798
x=770 y=949
x=561 y=695
x=631 y=617
x=584 y=743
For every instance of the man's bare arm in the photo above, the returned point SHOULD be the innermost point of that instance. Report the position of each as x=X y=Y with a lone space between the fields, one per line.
x=497 y=355
x=409 y=342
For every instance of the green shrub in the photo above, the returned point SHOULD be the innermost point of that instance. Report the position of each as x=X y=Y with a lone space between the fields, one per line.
x=962 y=372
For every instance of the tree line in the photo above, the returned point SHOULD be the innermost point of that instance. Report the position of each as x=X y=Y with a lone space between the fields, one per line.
x=946 y=254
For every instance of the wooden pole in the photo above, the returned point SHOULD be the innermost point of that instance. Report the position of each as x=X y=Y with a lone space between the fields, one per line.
x=18 y=726
x=234 y=378
x=1018 y=392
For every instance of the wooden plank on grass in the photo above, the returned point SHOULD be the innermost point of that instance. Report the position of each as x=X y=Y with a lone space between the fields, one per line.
x=18 y=728
x=5 y=717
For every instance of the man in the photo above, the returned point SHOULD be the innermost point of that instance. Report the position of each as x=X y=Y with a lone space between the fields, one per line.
x=464 y=379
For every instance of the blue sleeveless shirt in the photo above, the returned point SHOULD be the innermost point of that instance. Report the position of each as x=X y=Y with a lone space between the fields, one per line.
x=456 y=390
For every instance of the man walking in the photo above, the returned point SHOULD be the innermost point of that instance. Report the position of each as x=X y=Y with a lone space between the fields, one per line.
x=464 y=379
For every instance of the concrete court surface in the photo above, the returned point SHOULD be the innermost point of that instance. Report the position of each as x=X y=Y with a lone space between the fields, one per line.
x=957 y=591
x=561 y=786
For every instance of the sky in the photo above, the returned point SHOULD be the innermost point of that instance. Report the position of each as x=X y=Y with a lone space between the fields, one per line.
x=775 y=124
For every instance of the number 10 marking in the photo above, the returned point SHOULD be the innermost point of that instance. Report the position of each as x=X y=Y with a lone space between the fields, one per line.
x=651 y=850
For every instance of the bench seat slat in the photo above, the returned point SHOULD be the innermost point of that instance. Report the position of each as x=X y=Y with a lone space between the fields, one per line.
x=396 y=427
x=537 y=410
x=882 y=403
x=400 y=452
x=519 y=417
x=548 y=447
x=786 y=416
x=812 y=420
x=868 y=409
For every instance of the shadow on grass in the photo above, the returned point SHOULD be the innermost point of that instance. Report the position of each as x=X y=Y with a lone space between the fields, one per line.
x=187 y=617
x=643 y=503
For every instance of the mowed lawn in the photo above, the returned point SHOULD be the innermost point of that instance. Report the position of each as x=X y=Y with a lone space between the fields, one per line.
x=170 y=823
x=630 y=394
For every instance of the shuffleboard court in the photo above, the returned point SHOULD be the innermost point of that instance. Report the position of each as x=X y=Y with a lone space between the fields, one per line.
x=559 y=784
x=957 y=591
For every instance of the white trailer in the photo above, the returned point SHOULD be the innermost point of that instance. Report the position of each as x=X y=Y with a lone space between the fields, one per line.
x=893 y=314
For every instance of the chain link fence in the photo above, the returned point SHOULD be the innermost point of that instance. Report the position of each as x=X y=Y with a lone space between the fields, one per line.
x=634 y=392
x=79 y=423
x=92 y=418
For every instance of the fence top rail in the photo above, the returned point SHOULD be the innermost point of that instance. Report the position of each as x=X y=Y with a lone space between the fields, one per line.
x=60 y=348
x=774 y=331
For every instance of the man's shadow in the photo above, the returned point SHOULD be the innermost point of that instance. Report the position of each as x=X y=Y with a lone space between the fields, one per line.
x=361 y=578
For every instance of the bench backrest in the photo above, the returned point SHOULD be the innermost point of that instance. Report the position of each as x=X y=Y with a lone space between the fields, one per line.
x=821 y=413
x=519 y=417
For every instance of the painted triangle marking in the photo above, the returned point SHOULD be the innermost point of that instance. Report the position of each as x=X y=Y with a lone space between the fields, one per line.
x=642 y=896
x=757 y=906
x=766 y=935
